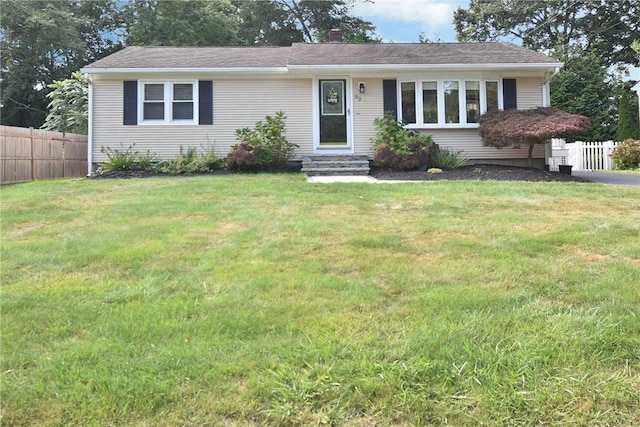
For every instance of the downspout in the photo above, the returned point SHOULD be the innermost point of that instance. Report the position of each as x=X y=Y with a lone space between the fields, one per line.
x=90 y=129
x=546 y=91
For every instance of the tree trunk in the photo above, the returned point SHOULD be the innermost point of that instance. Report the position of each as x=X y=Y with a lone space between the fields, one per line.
x=530 y=158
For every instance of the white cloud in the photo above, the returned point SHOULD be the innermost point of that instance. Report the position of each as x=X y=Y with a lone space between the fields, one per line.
x=431 y=13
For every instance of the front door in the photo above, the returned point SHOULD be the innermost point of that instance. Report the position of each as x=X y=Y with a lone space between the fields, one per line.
x=334 y=112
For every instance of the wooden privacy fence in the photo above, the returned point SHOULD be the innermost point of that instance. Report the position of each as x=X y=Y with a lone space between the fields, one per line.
x=33 y=154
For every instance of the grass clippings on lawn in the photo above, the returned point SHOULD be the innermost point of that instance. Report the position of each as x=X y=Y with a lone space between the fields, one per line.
x=263 y=300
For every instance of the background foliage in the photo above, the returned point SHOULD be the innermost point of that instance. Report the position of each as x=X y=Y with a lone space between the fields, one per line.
x=43 y=41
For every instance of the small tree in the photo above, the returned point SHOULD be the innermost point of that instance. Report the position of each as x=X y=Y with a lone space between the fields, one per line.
x=69 y=106
x=512 y=128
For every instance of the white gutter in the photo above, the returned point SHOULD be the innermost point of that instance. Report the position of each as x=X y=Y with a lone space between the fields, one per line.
x=403 y=67
x=90 y=129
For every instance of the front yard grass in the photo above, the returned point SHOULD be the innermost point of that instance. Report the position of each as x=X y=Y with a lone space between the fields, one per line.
x=264 y=300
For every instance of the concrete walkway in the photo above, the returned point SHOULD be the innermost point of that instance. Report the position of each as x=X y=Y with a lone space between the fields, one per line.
x=598 y=177
x=609 y=178
x=347 y=178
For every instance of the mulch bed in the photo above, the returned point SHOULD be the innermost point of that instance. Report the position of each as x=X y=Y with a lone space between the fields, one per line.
x=479 y=173
x=472 y=172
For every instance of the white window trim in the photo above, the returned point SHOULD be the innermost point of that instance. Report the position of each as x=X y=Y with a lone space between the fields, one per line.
x=168 y=103
x=462 y=90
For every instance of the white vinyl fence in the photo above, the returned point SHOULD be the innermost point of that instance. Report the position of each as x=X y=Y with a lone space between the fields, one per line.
x=582 y=155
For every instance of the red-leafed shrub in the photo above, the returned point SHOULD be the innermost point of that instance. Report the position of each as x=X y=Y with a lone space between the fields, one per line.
x=512 y=128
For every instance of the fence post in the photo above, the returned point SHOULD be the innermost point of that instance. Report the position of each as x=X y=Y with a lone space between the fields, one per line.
x=579 y=150
x=33 y=156
x=64 y=154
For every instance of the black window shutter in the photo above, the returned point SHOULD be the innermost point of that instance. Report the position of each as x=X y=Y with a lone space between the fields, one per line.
x=130 y=110
x=205 y=99
x=509 y=94
x=390 y=96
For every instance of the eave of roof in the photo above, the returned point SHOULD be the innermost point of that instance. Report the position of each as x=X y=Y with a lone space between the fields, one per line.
x=303 y=57
x=423 y=67
x=234 y=70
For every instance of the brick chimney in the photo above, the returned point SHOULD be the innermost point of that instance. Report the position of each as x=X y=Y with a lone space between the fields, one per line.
x=335 y=35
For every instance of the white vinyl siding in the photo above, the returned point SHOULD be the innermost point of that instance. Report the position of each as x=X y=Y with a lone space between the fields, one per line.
x=236 y=104
x=469 y=141
x=366 y=108
x=529 y=92
x=241 y=102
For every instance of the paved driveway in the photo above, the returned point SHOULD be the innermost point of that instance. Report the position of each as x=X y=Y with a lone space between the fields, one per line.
x=610 y=178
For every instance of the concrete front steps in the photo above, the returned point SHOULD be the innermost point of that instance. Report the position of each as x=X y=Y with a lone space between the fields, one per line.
x=328 y=165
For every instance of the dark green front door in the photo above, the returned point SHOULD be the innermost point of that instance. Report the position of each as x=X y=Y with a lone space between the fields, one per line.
x=333 y=113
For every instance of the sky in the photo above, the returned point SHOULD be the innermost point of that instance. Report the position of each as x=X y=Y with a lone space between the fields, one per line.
x=402 y=21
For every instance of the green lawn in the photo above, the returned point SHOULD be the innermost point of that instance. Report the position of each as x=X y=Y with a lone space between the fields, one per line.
x=265 y=300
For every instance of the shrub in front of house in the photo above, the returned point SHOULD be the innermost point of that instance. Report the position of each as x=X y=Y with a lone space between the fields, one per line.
x=264 y=146
x=627 y=154
x=444 y=158
x=190 y=161
x=398 y=148
x=127 y=159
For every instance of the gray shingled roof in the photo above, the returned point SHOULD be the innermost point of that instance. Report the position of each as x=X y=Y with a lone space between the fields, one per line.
x=320 y=54
x=195 y=57
x=414 y=54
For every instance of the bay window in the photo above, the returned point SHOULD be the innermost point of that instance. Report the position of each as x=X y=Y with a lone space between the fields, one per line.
x=430 y=102
x=472 y=96
x=451 y=102
x=408 y=90
x=447 y=103
x=492 y=95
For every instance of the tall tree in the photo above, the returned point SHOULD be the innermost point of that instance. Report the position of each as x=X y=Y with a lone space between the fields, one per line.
x=282 y=22
x=43 y=41
x=583 y=87
x=180 y=23
x=605 y=26
x=627 y=117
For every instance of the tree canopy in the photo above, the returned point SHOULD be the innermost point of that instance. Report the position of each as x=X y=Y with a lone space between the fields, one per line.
x=504 y=128
x=180 y=23
x=608 y=27
x=43 y=41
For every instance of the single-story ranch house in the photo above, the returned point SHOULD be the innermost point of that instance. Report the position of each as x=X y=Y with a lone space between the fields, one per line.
x=165 y=98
